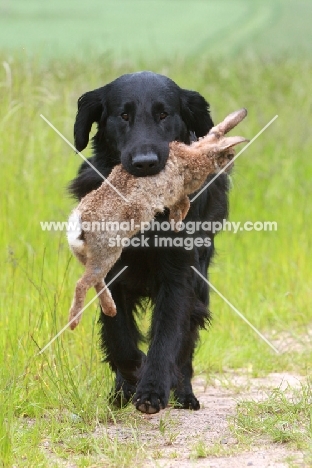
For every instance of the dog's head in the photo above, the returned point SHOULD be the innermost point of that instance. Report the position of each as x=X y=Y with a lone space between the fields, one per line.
x=138 y=115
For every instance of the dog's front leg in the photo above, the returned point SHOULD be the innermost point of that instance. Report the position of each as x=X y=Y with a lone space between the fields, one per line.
x=170 y=323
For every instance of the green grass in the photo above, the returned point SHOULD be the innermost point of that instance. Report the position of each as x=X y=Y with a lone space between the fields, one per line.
x=138 y=28
x=64 y=392
x=280 y=418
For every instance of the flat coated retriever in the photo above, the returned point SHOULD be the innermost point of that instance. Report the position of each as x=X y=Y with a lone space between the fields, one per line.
x=137 y=115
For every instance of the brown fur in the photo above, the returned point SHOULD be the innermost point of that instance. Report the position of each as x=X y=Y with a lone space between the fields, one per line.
x=186 y=170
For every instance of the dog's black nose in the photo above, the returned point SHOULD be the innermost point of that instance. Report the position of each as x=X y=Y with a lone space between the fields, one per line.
x=145 y=164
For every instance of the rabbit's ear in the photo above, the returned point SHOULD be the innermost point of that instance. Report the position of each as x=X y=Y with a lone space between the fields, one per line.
x=227 y=142
x=229 y=122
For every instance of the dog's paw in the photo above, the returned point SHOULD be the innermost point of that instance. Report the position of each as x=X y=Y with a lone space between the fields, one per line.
x=186 y=401
x=151 y=398
x=149 y=402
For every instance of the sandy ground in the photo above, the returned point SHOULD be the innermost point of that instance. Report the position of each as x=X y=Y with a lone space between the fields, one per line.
x=171 y=438
x=173 y=447
x=175 y=444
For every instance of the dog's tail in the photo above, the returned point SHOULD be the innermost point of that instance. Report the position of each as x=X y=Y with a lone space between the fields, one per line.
x=75 y=236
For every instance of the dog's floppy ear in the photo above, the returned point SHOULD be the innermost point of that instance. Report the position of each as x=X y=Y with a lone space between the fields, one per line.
x=195 y=112
x=91 y=108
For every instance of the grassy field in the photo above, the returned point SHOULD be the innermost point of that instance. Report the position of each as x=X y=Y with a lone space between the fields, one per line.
x=266 y=275
x=139 y=28
x=56 y=399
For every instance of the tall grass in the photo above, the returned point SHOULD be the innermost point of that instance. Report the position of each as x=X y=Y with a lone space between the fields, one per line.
x=266 y=275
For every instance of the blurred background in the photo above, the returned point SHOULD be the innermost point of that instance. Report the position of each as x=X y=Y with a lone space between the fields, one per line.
x=162 y=28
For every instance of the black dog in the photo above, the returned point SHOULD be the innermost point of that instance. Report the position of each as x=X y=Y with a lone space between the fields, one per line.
x=137 y=116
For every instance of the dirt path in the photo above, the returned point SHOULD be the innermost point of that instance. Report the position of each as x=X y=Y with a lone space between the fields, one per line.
x=174 y=438
x=187 y=439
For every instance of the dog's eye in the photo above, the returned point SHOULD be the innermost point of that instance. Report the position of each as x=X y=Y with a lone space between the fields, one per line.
x=163 y=115
x=125 y=116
